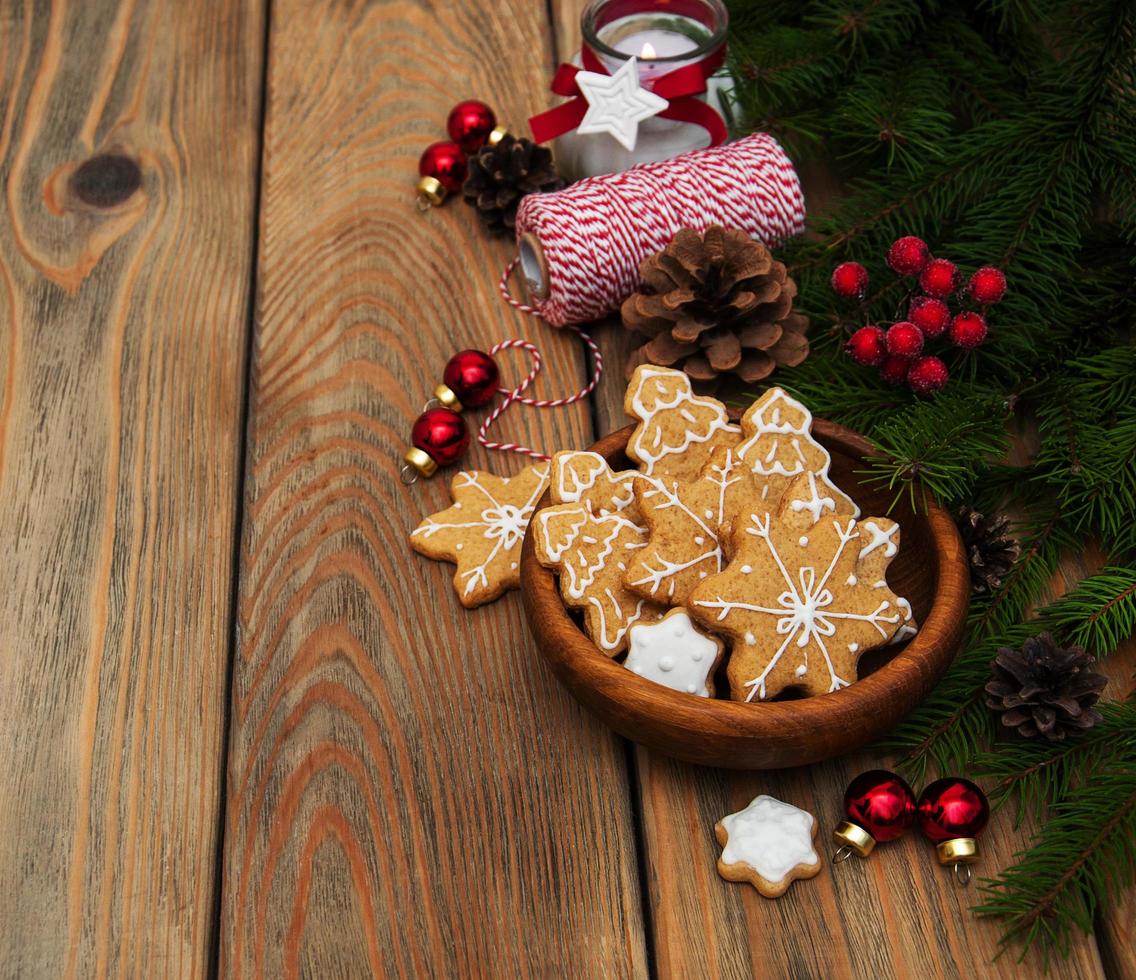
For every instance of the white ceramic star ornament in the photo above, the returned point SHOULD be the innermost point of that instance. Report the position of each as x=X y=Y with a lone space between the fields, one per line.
x=617 y=104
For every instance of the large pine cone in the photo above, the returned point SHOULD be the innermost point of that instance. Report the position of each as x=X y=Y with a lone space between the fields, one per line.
x=499 y=175
x=716 y=304
x=990 y=548
x=1045 y=689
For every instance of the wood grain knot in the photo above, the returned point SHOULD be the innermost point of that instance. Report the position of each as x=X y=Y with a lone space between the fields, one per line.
x=107 y=180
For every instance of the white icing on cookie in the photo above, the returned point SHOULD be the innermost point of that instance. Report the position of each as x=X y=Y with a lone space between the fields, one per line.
x=880 y=538
x=673 y=652
x=908 y=629
x=816 y=504
x=770 y=837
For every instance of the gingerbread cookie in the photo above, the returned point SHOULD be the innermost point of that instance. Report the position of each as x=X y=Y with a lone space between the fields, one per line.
x=591 y=554
x=769 y=844
x=677 y=429
x=685 y=521
x=584 y=477
x=675 y=653
x=482 y=531
x=804 y=595
x=778 y=445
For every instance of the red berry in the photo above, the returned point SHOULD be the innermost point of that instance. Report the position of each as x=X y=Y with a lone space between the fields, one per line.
x=908 y=255
x=927 y=375
x=987 y=285
x=904 y=339
x=968 y=330
x=850 y=280
x=929 y=315
x=940 y=278
x=894 y=370
x=866 y=346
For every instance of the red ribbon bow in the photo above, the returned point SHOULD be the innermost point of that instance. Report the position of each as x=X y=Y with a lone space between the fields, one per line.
x=679 y=87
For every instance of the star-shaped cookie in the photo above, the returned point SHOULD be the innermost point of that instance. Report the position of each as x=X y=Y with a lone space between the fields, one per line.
x=675 y=653
x=482 y=531
x=617 y=103
x=584 y=477
x=804 y=595
x=769 y=844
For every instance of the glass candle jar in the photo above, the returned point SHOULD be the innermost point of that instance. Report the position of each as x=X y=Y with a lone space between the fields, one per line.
x=663 y=35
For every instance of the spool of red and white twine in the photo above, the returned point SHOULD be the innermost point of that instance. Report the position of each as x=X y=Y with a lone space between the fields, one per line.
x=580 y=249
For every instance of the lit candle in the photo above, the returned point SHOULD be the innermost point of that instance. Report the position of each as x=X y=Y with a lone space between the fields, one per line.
x=662 y=41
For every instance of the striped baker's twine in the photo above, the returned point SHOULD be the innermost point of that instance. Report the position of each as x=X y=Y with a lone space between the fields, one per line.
x=596 y=232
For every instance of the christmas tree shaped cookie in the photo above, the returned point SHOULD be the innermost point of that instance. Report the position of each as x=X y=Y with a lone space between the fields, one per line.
x=584 y=477
x=677 y=429
x=804 y=594
x=482 y=531
x=778 y=445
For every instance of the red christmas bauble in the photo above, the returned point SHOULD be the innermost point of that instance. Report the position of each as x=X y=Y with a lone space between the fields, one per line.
x=850 y=280
x=968 y=330
x=881 y=803
x=908 y=255
x=928 y=375
x=904 y=339
x=894 y=369
x=866 y=346
x=472 y=376
x=445 y=162
x=987 y=285
x=441 y=435
x=930 y=315
x=939 y=279
x=470 y=123
x=952 y=808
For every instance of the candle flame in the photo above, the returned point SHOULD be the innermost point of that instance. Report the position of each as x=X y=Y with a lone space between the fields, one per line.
x=648 y=51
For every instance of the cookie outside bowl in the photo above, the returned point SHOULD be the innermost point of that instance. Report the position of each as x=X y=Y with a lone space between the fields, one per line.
x=930 y=570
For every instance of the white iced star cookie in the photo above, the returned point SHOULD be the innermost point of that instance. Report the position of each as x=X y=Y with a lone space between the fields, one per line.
x=674 y=653
x=617 y=103
x=769 y=844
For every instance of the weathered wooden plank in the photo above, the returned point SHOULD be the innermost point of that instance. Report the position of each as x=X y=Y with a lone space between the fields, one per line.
x=409 y=790
x=124 y=318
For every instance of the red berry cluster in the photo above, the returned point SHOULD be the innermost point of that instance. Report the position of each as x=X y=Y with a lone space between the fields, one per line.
x=899 y=351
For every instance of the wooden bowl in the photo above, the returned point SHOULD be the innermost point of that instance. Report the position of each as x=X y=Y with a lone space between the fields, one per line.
x=930 y=570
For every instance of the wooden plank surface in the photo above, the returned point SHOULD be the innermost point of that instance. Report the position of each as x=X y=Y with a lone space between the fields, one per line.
x=409 y=790
x=124 y=295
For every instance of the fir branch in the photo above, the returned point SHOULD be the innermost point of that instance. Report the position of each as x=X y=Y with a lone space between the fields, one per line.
x=1099 y=613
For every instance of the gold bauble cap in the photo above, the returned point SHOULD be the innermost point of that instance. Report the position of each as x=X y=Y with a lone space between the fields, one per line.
x=445 y=395
x=420 y=461
x=498 y=134
x=961 y=850
x=856 y=838
x=431 y=191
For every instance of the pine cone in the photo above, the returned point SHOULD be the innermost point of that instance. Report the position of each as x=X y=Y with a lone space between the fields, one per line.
x=716 y=304
x=498 y=176
x=1044 y=689
x=989 y=547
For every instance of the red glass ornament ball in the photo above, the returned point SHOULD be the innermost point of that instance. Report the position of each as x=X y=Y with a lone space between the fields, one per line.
x=867 y=346
x=472 y=376
x=951 y=808
x=850 y=280
x=932 y=316
x=908 y=255
x=904 y=339
x=928 y=375
x=987 y=285
x=445 y=162
x=470 y=123
x=441 y=435
x=968 y=330
x=880 y=802
x=939 y=279
x=894 y=369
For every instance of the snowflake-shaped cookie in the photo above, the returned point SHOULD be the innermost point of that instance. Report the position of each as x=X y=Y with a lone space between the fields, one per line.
x=686 y=522
x=769 y=844
x=675 y=653
x=482 y=531
x=803 y=596
x=778 y=445
x=677 y=429
x=591 y=553
x=584 y=477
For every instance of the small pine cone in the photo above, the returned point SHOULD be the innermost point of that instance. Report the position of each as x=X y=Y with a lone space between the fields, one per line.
x=716 y=304
x=990 y=549
x=499 y=175
x=1044 y=689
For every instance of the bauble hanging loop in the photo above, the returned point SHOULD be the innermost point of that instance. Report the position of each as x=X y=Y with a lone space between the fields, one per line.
x=952 y=812
x=878 y=806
